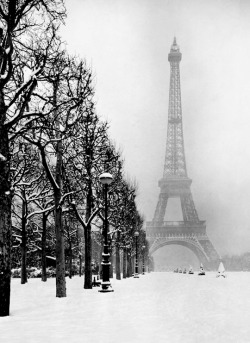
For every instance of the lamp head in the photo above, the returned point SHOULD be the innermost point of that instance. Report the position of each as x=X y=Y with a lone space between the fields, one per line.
x=136 y=233
x=106 y=178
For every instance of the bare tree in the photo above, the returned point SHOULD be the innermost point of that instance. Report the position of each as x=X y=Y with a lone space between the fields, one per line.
x=26 y=24
x=64 y=94
x=29 y=190
x=86 y=164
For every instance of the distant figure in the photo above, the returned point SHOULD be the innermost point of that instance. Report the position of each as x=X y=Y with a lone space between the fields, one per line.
x=201 y=271
x=221 y=271
x=184 y=271
x=190 y=270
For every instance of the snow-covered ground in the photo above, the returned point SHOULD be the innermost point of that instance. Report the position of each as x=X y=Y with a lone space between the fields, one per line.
x=157 y=307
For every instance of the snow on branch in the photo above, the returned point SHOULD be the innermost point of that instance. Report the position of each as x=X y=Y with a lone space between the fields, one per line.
x=41 y=211
x=81 y=220
x=94 y=213
x=113 y=232
x=47 y=169
x=30 y=80
x=2 y=158
x=4 y=76
x=64 y=196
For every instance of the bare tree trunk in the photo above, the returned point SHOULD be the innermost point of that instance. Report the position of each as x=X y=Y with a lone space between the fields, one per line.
x=5 y=216
x=100 y=260
x=59 y=231
x=80 y=264
x=149 y=264
x=5 y=250
x=117 y=263
x=124 y=264
x=60 y=253
x=23 y=244
x=70 y=259
x=129 y=265
x=23 y=259
x=111 y=267
x=117 y=257
x=44 y=262
x=88 y=258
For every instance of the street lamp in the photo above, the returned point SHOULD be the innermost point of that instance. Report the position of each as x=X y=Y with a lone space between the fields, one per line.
x=106 y=180
x=136 y=255
x=143 y=266
x=129 y=261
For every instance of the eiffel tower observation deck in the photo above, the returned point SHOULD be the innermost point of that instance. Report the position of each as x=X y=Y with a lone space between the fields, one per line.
x=175 y=183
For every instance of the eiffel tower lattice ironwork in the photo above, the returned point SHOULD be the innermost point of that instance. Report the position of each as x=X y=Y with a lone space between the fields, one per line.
x=191 y=232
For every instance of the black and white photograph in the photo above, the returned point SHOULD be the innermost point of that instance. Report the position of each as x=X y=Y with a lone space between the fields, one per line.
x=124 y=171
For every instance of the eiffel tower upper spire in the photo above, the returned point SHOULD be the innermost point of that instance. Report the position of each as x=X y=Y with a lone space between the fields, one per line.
x=174 y=46
x=175 y=163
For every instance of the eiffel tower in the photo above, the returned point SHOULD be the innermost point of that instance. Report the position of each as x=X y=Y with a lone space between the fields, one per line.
x=191 y=232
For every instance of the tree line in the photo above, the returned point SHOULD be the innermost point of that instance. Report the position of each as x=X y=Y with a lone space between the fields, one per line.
x=237 y=262
x=53 y=148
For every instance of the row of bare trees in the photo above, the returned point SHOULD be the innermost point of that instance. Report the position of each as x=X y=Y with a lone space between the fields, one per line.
x=53 y=147
x=237 y=262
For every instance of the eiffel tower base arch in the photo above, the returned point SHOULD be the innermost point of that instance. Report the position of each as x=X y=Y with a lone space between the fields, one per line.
x=200 y=246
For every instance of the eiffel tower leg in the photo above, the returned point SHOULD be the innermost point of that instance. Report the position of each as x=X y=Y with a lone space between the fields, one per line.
x=206 y=254
x=202 y=259
x=188 y=209
x=212 y=254
x=160 y=208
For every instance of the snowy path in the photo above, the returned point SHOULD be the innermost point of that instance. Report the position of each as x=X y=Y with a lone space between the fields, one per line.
x=157 y=307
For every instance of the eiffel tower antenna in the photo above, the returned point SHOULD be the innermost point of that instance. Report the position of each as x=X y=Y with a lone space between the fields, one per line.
x=191 y=232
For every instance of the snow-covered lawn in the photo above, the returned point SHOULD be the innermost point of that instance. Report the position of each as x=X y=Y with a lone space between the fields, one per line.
x=157 y=307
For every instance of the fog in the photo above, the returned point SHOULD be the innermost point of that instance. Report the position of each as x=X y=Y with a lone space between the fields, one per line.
x=126 y=43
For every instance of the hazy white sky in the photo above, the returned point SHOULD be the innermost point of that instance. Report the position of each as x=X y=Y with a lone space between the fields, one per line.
x=127 y=44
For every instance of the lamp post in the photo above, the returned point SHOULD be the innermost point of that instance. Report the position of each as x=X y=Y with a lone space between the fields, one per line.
x=136 y=255
x=143 y=266
x=129 y=262
x=111 y=242
x=105 y=179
